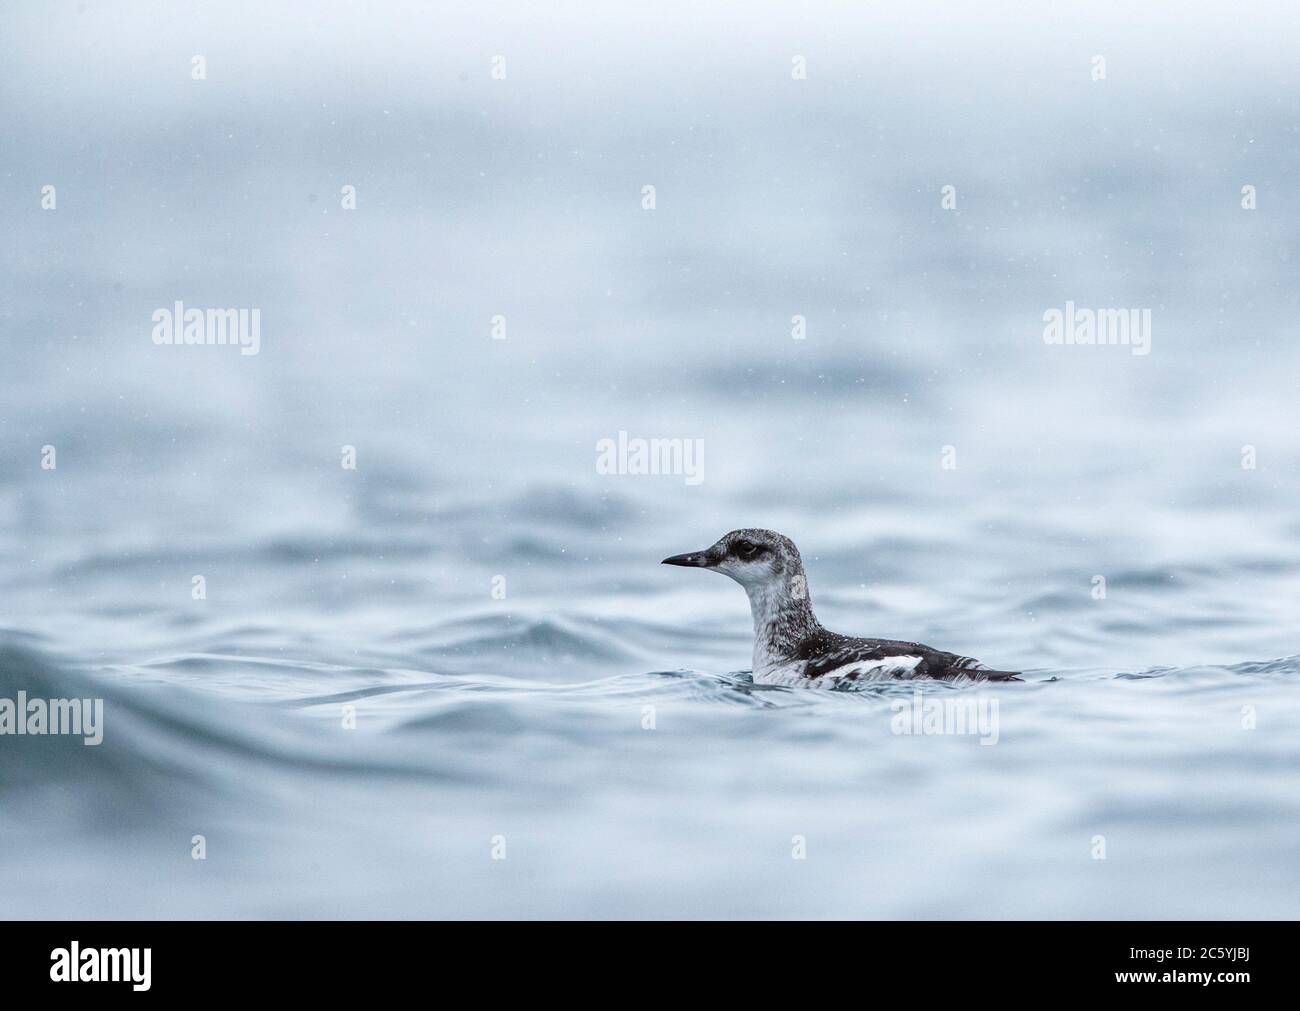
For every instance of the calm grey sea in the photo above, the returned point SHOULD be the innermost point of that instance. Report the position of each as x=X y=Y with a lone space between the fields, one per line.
x=454 y=681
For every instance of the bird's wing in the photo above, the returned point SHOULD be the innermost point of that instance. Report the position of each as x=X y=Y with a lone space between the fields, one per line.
x=830 y=652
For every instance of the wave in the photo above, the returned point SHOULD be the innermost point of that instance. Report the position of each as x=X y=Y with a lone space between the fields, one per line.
x=188 y=727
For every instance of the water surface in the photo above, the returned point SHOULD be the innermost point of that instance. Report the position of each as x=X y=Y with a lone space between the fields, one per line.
x=595 y=725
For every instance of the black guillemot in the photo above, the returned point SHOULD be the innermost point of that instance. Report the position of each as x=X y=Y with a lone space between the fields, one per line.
x=790 y=645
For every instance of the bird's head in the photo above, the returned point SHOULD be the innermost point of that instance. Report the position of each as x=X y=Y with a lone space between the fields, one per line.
x=753 y=558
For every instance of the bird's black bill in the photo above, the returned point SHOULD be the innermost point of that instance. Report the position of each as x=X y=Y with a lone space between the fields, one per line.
x=694 y=559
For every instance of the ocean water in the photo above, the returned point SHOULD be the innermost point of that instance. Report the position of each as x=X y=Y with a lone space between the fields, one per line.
x=454 y=681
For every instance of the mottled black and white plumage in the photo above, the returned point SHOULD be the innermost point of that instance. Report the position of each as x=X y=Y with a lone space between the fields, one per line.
x=790 y=645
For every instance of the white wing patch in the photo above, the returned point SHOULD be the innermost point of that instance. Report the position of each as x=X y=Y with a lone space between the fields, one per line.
x=884 y=669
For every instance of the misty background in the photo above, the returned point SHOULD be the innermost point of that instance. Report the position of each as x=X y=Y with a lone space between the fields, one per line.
x=521 y=197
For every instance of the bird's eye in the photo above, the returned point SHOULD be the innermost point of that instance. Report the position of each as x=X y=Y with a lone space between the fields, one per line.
x=746 y=549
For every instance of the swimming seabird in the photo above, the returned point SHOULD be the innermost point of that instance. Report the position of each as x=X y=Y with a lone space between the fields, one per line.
x=790 y=645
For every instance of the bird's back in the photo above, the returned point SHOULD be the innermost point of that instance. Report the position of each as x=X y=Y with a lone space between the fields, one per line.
x=829 y=658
